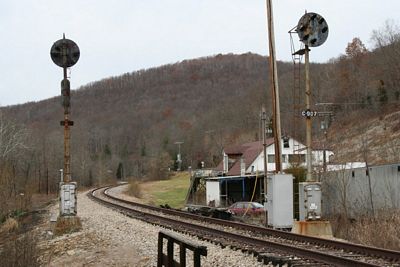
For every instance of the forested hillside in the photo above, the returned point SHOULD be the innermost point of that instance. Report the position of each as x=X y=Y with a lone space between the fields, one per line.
x=135 y=119
x=127 y=125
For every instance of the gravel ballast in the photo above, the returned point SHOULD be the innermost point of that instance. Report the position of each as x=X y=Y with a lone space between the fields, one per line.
x=109 y=238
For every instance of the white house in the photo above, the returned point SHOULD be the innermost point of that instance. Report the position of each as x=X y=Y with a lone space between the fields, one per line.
x=240 y=174
x=248 y=158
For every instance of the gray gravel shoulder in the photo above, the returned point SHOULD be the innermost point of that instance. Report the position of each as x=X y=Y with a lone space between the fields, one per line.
x=109 y=238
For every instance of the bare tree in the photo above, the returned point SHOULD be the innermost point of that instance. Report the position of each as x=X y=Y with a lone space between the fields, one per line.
x=386 y=35
x=12 y=137
x=365 y=150
x=387 y=56
x=12 y=141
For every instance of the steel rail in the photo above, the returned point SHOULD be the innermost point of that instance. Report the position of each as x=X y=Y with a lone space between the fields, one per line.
x=244 y=240
x=391 y=255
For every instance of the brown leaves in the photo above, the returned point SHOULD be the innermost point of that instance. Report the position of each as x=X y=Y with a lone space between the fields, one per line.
x=355 y=48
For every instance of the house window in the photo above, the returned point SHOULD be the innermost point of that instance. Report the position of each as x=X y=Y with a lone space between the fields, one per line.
x=252 y=169
x=352 y=174
x=285 y=158
x=271 y=158
x=286 y=142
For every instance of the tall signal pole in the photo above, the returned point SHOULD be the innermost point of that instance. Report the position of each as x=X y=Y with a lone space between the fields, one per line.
x=276 y=116
x=308 y=118
x=313 y=31
x=65 y=87
x=65 y=53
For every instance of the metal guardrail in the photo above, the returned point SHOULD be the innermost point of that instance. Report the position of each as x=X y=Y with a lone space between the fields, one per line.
x=168 y=259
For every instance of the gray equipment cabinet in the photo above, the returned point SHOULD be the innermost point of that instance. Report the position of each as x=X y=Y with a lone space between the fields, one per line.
x=310 y=201
x=68 y=199
x=280 y=200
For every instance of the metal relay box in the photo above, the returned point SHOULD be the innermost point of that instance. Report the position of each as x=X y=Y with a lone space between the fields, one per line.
x=280 y=200
x=310 y=201
x=68 y=201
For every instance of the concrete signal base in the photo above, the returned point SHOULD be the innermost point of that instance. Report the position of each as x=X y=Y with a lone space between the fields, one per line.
x=321 y=229
x=67 y=224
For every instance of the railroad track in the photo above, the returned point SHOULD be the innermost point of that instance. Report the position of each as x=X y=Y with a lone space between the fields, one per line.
x=266 y=244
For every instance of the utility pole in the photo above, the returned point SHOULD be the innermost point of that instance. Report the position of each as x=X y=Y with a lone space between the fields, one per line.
x=179 y=158
x=276 y=117
x=278 y=181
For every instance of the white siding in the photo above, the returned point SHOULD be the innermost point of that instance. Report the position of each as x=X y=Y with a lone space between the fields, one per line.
x=212 y=189
x=258 y=163
x=293 y=144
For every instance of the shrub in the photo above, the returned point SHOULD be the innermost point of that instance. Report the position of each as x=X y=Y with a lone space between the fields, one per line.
x=67 y=224
x=20 y=251
x=134 y=189
x=159 y=167
x=382 y=231
x=10 y=225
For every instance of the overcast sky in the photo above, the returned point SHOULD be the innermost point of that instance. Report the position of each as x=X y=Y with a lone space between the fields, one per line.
x=122 y=36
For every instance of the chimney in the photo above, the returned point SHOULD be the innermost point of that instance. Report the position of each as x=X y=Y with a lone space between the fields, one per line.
x=225 y=162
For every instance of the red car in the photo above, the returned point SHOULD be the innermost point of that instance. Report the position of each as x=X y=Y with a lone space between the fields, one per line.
x=250 y=208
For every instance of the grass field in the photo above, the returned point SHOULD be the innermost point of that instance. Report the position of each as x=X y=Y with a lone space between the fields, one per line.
x=171 y=192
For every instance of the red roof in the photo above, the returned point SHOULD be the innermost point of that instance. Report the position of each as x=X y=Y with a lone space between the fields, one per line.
x=249 y=152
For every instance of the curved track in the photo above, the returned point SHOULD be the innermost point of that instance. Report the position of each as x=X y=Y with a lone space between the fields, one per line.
x=267 y=244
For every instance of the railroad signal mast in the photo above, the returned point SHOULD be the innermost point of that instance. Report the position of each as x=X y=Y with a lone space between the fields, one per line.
x=65 y=53
x=313 y=31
